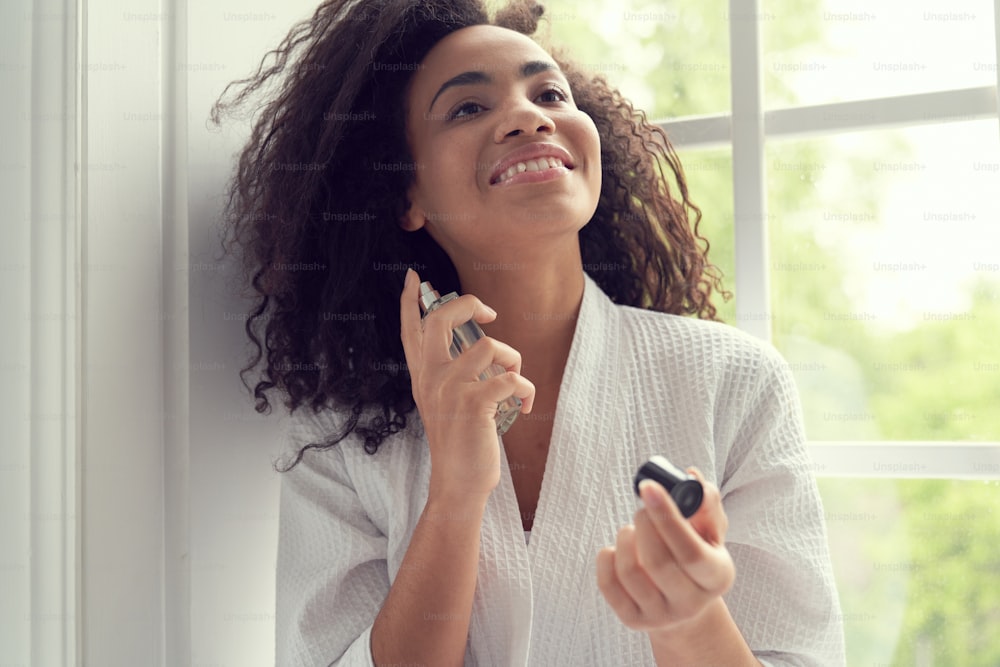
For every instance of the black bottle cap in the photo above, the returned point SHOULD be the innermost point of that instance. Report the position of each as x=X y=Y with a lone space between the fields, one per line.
x=685 y=489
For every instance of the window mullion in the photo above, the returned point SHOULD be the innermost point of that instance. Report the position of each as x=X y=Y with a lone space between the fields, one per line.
x=903 y=110
x=753 y=313
x=996 y=46
x=700 y=132
x=906 y=459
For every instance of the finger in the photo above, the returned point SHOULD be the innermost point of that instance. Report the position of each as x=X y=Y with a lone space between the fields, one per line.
x=654 y=555
x=506 y=357
x=438 y=324
x=489 y=359
x=409 y=318
x=511 y=384
x=683 y=596
x=525 y=390
x=707 y=565
x=633 y=577
x=521 y=388
x=710 y=521
x=677 y=534
x=617 y=597
x=669 y=521
x=487 y=352
x=495 y=389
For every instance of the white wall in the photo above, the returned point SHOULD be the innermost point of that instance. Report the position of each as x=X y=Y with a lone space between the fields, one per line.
x=138 y=506
x=233 y=490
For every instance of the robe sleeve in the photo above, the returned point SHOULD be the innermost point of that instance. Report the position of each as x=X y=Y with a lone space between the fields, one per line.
x=331 y=566
x=784 y=598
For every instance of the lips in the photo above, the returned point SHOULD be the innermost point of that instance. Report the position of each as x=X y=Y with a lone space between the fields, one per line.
x=531 y=157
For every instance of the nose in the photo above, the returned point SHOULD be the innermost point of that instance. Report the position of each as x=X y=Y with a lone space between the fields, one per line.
x=523 y=117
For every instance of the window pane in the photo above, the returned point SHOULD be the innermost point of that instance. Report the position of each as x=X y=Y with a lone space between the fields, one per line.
x=916 y=568
x=886 y=280
x=709 y=175
x=859 y=50
x=670 y=59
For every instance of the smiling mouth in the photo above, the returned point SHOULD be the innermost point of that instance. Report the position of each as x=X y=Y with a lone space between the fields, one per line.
x=537 y=164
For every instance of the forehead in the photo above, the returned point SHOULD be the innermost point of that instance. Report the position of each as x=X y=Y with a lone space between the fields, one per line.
x=491 y=49
x=485 y=40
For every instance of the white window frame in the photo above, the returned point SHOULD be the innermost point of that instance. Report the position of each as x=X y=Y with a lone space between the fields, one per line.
x=40 y=411
x=747 y=129
x=95 y=443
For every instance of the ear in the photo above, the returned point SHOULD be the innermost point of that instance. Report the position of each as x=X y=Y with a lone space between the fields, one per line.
x=415 y=217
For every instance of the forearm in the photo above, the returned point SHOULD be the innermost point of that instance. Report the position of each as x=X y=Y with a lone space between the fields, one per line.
x=425 y=617
x=712 y=639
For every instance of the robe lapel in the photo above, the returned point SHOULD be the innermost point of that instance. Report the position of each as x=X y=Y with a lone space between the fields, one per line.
x=524 y=587
x=501 y=612
x=569 y=521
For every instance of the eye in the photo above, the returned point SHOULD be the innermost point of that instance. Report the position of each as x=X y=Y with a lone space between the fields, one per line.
x=553 y=94
x=464 y=110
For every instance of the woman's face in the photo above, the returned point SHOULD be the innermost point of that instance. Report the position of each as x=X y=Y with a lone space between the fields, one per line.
x=505 y=162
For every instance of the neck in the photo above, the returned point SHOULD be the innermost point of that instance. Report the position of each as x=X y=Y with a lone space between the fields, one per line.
x=537 y=303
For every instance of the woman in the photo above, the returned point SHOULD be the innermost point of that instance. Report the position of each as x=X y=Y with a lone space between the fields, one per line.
x=425 y=136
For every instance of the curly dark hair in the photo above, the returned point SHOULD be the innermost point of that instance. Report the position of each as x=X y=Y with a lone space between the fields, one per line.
x=314 y=214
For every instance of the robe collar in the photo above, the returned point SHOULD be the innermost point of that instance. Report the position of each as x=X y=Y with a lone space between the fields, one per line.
x=560 y=559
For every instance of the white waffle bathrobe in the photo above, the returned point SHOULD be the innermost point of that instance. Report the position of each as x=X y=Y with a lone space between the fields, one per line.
x=636 y=383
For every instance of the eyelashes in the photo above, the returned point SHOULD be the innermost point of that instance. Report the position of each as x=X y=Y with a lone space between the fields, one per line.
x=464 y=110
x=555 y=90
x=470 y=109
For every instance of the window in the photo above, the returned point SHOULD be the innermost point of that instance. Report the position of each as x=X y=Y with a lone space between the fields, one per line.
x=847 y=161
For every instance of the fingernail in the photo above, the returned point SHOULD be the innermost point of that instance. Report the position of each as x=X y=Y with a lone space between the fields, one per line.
x=490 y=310
x=650 y=497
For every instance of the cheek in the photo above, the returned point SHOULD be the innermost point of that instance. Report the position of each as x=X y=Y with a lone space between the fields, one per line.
x=593 y=142
x=451 y=169
x=587 y=141
x=593 y=139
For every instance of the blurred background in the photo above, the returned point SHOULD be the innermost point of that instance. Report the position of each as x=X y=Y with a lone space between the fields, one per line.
x=846 y=160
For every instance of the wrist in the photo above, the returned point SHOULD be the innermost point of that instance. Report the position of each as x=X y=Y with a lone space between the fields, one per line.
x=683 y=631
x=462 y=508
x=711 y=637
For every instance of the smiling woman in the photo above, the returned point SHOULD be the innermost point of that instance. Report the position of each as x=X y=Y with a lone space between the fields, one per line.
x=429 y=138
x=346 y=117
x=485 y=144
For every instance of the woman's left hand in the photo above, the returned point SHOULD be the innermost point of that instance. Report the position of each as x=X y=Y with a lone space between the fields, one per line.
x=665 y=571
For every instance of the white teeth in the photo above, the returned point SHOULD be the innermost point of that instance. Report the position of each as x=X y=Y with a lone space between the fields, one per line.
x=530 y=165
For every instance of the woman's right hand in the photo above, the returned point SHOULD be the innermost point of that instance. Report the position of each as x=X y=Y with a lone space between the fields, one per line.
x=456 y=407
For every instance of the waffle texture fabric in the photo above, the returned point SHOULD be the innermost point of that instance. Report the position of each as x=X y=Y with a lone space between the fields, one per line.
x=636 y=383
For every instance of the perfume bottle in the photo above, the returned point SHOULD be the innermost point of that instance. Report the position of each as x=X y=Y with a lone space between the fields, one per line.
x=462 y=338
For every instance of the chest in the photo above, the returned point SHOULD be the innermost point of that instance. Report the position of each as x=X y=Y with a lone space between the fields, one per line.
x=527 y=447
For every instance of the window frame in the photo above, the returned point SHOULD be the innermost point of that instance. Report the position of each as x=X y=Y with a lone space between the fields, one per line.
x=747 y=128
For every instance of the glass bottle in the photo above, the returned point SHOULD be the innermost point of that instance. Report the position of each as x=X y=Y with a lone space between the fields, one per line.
x=462 y=338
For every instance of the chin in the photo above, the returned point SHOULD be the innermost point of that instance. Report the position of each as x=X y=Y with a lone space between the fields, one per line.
x=564 y=213
x=549 y=221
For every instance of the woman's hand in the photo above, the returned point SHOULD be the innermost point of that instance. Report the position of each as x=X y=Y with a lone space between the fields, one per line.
x=456 y=407
x=665 y=572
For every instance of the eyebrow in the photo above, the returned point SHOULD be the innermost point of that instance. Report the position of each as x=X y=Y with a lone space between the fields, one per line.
x=530 y=68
